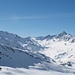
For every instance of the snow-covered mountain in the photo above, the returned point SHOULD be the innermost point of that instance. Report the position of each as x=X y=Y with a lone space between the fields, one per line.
x=51 y=52
x=59 y=47
x=16 y=41
x=20 y=52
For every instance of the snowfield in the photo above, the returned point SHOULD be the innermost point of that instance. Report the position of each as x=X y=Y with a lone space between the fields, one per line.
x=48 y=55
x=23 y=71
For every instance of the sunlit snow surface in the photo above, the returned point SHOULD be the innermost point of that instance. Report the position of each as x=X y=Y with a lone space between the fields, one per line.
x=50 y=55
x=23 y=71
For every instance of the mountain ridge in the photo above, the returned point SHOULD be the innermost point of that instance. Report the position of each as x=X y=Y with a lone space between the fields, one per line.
x=50 y=51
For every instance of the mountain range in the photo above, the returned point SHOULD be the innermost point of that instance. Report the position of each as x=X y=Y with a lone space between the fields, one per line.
x=51 y=52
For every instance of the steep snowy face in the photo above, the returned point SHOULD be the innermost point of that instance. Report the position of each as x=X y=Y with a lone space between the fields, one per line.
x=19 y=58
x=16 y=41
x=16 y=57
x=65 y=37
x=61 y=48
x=10 y=39
x=17 y=52
x=62 y=34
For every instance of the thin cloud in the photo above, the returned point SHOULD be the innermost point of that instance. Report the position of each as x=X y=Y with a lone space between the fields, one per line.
x=62 y=15
x=20 y=18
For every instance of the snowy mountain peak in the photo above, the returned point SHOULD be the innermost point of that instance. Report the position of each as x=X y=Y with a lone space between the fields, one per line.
x=62 y=34
x=65 y=37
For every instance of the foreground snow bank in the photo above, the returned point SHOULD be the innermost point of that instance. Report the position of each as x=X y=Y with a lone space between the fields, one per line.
x=23 y=71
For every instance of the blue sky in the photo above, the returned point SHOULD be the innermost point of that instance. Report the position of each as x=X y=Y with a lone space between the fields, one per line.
x=37 y=17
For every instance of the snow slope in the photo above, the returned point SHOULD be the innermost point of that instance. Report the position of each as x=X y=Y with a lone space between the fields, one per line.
x=16 y=41
x=59 y=47
x=49 y=54
x=23 y=71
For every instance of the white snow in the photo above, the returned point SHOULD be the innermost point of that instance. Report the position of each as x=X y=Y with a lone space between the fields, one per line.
x=51 y=55
x=60 y=50
x=23 y=71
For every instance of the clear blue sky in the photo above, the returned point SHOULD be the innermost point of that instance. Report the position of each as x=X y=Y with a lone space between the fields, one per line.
x=37 y=17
